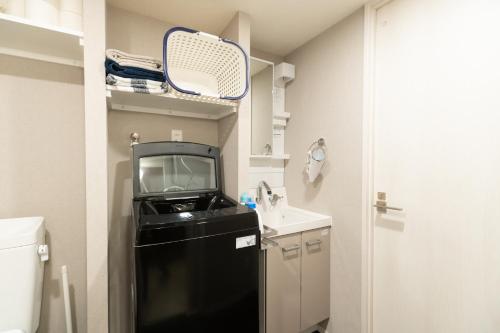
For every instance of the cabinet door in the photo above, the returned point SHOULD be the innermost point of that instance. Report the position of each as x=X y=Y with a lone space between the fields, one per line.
x=283 y=285
x=315 y=291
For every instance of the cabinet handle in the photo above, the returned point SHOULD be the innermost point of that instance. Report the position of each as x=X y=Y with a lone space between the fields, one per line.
x=290 y=248
x=313 y=242
x=269 y=243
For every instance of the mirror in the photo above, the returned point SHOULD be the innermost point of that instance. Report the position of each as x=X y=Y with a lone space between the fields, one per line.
x=262 y=78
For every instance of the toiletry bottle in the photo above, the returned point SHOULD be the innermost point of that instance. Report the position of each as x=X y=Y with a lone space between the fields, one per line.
x=244 y=198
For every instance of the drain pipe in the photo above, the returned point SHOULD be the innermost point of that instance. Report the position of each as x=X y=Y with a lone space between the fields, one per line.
x=67 y=302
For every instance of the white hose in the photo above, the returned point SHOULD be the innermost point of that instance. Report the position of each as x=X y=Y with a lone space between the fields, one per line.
x=67 y=303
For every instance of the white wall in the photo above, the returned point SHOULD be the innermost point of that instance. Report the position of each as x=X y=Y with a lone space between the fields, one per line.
x=42 y=172
x=325 y=100
x=135 y=33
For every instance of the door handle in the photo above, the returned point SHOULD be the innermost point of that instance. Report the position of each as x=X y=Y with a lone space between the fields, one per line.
x=313 y=242
x=290 y=248
x=382 y=207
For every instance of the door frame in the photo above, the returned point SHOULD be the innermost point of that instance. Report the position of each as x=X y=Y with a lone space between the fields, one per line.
x=367 y=221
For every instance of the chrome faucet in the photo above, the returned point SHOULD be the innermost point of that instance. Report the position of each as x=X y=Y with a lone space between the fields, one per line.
x=268 y=150
x=273 y=198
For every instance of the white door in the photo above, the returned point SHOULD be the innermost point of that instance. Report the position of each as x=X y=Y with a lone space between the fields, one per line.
x=437 y=156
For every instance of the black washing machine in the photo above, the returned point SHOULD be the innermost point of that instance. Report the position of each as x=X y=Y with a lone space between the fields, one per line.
x=195 y=250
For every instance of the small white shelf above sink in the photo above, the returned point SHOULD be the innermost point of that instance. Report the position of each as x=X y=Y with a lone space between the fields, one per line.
x=281 y=115
x=270 y=157
x=170 y=104
x=21 y=37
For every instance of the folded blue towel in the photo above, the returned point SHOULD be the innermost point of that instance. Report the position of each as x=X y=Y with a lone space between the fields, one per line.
x=112 y=67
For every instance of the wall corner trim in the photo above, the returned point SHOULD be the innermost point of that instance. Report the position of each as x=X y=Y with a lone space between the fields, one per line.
x=94 y=22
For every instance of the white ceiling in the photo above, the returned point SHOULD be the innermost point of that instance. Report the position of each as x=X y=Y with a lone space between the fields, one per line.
x=278 y=26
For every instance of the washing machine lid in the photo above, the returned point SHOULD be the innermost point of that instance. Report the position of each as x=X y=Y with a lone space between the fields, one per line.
x=20 y=231
x=175 y=169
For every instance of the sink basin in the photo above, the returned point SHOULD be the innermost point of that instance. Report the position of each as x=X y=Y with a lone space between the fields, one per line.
x=292 y=220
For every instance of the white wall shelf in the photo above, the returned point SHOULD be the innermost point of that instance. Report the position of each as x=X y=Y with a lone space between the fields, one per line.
x=170 y=104
x=279 y=122
x=270 y=157
x=281 y=115
x=22 y=38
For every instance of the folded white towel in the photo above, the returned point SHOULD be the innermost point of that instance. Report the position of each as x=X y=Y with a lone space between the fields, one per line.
x=116 y=80
x=134 y=60
x=141 y=90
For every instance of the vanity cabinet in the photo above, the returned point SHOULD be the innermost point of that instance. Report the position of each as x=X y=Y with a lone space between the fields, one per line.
x=298 y=281
x=283 y=285
x=315 y=290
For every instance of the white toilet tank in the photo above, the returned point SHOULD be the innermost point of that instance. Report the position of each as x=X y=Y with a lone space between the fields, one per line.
x=21 y=273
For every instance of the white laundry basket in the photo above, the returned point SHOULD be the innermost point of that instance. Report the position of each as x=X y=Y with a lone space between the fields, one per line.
x=197 y=63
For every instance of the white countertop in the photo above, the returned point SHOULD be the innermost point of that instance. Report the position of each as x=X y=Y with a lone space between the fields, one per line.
x=291 y=220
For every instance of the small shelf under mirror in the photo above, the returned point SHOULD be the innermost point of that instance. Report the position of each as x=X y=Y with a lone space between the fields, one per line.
x=281 y=115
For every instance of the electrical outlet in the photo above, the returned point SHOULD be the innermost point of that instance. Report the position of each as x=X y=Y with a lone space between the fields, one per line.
x=176 y=135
